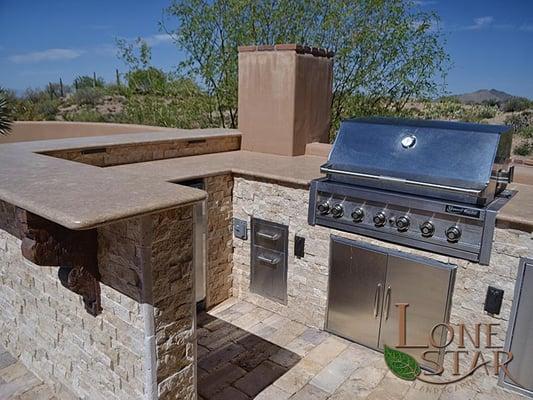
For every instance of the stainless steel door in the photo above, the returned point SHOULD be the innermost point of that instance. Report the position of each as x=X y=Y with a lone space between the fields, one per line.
x=426 y=286
x=269 y=259
x=520 y=334
x=356 y=279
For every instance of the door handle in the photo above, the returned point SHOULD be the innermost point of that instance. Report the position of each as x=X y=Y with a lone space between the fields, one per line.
x=387 y=303
x=271 y=261
x=269 y=236
x=376 y=300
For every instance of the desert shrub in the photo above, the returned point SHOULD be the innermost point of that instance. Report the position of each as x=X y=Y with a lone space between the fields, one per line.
x=516 y=104
x=85 y=81
x=47 y=109
x=487 y=112
x=491 y=103
x=90 y=115
x=149 y=80
x=524 y=149
x=450 y=99
x=87 y=96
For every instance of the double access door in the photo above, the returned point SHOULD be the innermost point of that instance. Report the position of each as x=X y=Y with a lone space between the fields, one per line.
x=368 y=284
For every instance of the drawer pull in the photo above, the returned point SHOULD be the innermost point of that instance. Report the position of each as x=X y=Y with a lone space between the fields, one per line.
x=271 y=261
x=269 y=236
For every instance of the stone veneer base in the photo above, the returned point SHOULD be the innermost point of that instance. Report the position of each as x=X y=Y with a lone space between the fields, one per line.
x=308 y=276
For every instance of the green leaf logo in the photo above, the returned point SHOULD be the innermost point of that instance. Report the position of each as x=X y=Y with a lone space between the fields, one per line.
x=402 y=365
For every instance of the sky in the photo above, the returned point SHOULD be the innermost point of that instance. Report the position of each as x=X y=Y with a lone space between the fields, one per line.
x=490 y=42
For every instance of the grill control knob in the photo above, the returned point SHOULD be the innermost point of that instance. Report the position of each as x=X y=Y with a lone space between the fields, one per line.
x=403 y=223
x=358 y=214
x=337 y=210
x=323 y=208
x=427 y=228
x=453 y=233
x=380 y=219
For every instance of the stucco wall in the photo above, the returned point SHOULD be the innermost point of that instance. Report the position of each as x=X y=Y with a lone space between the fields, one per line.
x=23 y=131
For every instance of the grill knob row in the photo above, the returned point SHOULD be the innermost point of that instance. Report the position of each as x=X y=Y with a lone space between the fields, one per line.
x=453 y=233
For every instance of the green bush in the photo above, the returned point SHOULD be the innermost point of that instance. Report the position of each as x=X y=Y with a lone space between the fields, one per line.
x=86 y=115
x=85 y=81
x=523 y=149
x=150 y=80
x=47 y=109
x=516 y=104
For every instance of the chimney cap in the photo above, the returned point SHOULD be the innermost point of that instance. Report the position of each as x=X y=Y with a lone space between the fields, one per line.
x=298 y=48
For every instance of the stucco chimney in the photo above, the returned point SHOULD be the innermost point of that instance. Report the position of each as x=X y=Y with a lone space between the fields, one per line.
x=285 y=96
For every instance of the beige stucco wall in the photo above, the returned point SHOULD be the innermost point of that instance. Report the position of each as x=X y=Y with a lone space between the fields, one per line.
x=23 y=131
x=284 y=100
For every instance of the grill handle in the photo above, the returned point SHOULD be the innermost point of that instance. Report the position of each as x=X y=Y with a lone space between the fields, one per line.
x=269 y=236
x=266 y=260
x=387 y=303
x=376 y=300
x=328 y=170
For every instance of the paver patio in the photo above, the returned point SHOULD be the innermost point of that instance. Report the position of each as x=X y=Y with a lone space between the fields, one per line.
x=247 y=352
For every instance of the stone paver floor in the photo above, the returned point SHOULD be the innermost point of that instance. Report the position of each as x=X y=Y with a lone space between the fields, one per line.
x=248 y=352
x=17 y=383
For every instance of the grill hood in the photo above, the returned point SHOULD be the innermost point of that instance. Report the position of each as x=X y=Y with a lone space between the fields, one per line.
x=459 y=161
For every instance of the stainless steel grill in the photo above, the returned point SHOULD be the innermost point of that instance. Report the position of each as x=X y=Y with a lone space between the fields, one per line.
x=433 y=185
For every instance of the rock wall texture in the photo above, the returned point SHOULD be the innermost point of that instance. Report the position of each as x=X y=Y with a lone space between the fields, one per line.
x=142 y=345
x=141 y=152
x=308 y=276
x=219 y=238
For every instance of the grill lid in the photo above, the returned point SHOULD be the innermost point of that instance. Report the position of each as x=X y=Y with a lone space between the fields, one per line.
x=449 y=155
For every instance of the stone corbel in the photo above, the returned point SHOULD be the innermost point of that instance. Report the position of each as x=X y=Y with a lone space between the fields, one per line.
x=46 y=243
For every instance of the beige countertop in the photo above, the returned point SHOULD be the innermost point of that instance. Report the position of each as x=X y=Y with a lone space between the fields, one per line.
x=81 y=196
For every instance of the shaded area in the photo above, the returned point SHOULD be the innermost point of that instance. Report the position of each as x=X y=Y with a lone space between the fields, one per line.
x=236 y=364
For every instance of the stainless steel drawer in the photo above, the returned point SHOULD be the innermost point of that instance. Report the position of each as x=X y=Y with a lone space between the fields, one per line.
x=269 y=235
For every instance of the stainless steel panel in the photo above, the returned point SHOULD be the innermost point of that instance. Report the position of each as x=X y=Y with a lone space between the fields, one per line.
x=519 y=339
x=355 y=295
x=269 y=259
x=199 y=249
x=269 y=235
x=424 y=284
x=269 y=273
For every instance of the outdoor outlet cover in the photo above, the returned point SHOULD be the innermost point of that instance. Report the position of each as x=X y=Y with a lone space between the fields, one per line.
x=240 y=229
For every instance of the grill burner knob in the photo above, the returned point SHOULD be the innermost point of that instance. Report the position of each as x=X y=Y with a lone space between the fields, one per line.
x=380 y=219
x=427 y=229
x=403 y=223
x=323 y=208
x=337 y=210
x=453 y=233
x=358 y=214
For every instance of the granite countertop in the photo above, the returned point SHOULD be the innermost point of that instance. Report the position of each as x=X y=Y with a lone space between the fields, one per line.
x=80 y=196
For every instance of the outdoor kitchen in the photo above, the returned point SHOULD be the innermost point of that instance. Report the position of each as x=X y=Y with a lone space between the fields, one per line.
x=265 y=263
